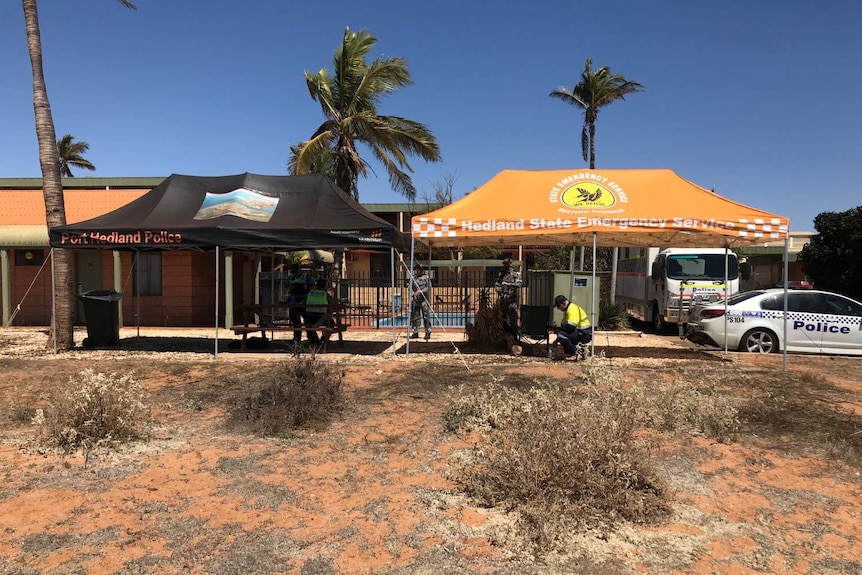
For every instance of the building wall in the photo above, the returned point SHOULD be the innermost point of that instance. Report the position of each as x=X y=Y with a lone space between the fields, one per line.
x=188 y=291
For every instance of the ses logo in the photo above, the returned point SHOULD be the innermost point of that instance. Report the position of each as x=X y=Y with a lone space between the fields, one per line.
x=587 y=195
x=586 y=191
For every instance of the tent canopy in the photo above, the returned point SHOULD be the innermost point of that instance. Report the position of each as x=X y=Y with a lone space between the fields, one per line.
x=624 y=208
x=244 y=211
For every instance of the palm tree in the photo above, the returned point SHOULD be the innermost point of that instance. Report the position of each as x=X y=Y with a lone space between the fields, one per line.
x=597 y=88
x=52 y=186
x=72 y=154
x=348 y=97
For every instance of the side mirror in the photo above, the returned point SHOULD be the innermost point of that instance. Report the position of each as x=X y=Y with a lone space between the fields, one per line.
x=745 y=270
x=656 y=270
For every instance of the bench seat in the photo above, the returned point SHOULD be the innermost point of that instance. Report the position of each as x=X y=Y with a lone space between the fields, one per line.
x=324 y=330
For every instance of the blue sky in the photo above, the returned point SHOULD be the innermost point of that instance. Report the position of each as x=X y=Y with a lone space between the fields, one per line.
x=758 y=100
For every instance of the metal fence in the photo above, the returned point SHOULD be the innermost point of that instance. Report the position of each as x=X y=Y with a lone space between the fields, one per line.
x=370 y=300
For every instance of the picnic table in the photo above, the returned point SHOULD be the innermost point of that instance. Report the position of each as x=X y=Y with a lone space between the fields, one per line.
x=275 y=317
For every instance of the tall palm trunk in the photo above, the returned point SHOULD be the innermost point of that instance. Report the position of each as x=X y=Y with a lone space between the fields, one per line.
x=52 y=185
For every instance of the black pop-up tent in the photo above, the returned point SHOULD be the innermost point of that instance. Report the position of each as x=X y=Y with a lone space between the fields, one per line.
x=243 y=212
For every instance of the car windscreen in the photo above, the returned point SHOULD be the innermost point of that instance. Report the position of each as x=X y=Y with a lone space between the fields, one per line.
x=701 y=267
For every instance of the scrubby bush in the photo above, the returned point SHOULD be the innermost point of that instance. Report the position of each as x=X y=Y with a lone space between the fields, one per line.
x=91 y=410
x=487 y=331
x=563 y=457
x=301 y=391
x=686 y=407
x=486 y=406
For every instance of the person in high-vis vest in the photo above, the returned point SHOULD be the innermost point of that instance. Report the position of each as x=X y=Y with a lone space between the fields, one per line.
x=300 y=282
x=316 y=303
x=575 y=330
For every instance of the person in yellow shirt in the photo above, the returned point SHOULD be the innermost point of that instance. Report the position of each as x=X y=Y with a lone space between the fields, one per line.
x=317 y=303
x=575 y=329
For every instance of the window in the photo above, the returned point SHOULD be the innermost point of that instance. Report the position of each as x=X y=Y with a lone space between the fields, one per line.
x=147 y=278
x=702 y=266
x=29 y=257
x=806 y=303
x=381 y=269
x=841 y=305
x=796 y=302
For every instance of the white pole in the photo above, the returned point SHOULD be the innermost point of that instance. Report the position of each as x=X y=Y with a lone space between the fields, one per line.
x=726 y=295
x=786 y=283
x=392 y=299
x=593 y=321
x=215 y=351
x=137 y=266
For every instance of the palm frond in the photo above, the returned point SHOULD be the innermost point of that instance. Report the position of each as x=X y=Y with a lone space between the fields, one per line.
x=308 y=156
x=595 y=89
x=72 y=154
x=349 y=97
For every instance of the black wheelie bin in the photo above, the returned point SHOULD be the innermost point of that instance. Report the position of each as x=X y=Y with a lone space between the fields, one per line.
x=102 y=316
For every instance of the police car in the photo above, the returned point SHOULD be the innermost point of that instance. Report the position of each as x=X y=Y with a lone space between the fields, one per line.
x=817 y=322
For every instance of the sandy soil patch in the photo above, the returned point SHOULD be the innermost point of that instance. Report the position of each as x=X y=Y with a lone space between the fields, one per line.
x=374 y=492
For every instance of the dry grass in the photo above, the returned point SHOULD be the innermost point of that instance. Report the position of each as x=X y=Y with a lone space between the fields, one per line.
x=300 y=391
x=802 y=411
x=722 y=461
x=93 y=409
x=563 y=456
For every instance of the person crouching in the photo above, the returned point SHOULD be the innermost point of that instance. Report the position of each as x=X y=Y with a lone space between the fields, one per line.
x=575 y=329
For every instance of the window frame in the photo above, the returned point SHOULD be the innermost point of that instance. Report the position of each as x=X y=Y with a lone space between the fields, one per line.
x=147 y=267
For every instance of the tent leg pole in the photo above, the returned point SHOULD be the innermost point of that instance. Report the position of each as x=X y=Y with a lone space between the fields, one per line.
x=593 y=301
x=215 y=347
x=118 y=282
x=137 y=295
x=726 y=294
x=392 y=299
x=786 y=284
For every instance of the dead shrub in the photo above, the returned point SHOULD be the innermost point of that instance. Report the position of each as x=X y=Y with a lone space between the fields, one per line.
x=484 y=407
x=93 y=409
x=300 y=391
x=487 y=331
x=564 y=458
x=684 y=407
x=801 y=409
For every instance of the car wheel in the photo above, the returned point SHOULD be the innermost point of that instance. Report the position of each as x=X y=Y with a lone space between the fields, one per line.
x=658 y=322
x=759 y=341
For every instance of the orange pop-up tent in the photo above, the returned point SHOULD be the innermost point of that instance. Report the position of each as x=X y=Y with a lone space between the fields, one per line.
x=618 y=208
